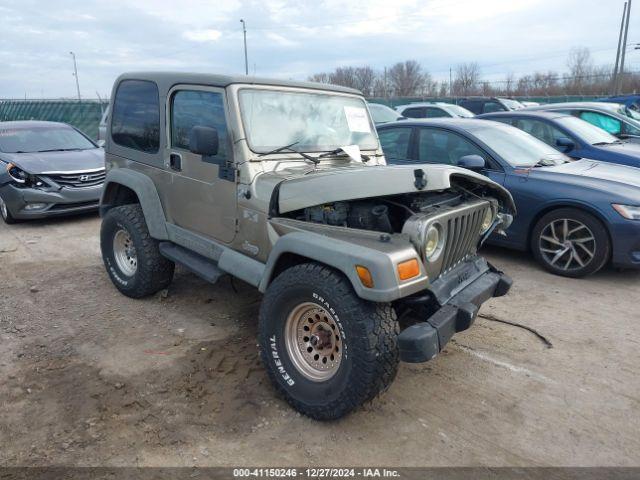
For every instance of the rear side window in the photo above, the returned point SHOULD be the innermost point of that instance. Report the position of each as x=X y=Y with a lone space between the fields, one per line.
x=395 y=142
x=492 y=106
x=433 y=112
x=414 y=113
x=135 y=122
x=192 y=108
x=473 y=106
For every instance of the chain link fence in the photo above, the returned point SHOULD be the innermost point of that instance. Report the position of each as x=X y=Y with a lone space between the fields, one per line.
x=83 y=114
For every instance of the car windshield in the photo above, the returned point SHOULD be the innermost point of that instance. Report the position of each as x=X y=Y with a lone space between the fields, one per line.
x=589 y=133
x=459 y=111
x=630 y=112
x=512 y=104
x=315 y=122
x=518 y=148
x=42 y=139
x=382 y=113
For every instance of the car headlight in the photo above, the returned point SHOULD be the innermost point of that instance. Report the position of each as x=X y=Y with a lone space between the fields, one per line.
x=487 y=220
x=433 y=242
x=17 y=174
x=629 y=212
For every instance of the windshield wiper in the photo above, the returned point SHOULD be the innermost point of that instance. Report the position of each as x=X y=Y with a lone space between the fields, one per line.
x=341 y=152
x=58 y=150
x=288 y=148
x=617 y=142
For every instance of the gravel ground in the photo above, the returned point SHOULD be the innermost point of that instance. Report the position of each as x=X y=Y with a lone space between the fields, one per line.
x=90 y=377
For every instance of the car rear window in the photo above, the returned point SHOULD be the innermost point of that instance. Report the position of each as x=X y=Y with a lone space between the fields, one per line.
x=135 y=121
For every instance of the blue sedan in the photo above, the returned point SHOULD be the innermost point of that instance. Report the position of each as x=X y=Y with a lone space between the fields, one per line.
x=571 y=135
x=574 y=216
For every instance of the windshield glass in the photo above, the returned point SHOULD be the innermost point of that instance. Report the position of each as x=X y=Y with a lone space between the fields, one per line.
x=629 y=112
x=518 y=148
x=460 y=111
x=382 y=113
x=512 y=104
x=315 y=122
x=42 y=138
x=588 y=132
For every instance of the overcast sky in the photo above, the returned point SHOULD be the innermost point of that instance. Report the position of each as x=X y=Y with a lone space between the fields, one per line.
x=293 y=39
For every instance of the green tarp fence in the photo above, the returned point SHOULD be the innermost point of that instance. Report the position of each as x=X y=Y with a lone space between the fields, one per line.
x=84 y=115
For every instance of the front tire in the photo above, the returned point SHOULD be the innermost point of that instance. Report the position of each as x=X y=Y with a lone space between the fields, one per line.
x=5 y=213
x=325 y=349
x=131 y=256
x=571 y=243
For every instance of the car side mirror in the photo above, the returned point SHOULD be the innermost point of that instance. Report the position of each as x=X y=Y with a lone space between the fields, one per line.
x=101 y=143
x=472 y=162
x=566 y=144
x=203 y=140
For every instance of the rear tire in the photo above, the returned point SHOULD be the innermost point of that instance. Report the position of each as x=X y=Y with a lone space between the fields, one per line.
x=355 y=354
x=131 y=256
x=571 y=243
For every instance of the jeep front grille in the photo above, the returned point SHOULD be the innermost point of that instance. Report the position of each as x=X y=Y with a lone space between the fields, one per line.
x=78 y=179
x=463 y=233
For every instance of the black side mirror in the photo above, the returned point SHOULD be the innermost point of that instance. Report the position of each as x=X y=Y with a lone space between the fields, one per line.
x=472 y=162
x=565 y=143
x=203 y=140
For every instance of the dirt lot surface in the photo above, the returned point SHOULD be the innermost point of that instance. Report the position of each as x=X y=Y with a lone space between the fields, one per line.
x=89 y=377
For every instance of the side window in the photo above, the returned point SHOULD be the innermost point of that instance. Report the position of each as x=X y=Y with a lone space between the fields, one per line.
x=605 y=122
x=540 y=130
x=631 y=129
x=434 y=112
x=493 y=106
x=474 y=106
x=190 y=108
x=441 y=146
x=413 y=113
x=135 y=122
x=395 y=142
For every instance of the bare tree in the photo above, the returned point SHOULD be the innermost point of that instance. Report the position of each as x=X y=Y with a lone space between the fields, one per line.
x=364 y=79
x=467 y=78
x=580 y=68
x=406 y=78
x=319 y=78
x=345 y=76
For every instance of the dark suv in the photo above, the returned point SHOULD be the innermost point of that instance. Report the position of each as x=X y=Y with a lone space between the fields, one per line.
x=480 y=105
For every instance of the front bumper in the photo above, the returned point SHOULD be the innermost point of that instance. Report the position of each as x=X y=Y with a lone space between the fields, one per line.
x=423 y=341
x=64 y=201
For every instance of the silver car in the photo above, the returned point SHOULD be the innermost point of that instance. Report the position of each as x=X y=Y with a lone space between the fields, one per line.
x=47 y=169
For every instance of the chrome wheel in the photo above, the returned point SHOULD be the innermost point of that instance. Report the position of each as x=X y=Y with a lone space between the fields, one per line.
x=567 y=244
x=313 y=341
x=125 y=253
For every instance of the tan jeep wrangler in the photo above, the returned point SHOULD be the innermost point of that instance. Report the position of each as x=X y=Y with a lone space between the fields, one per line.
x=284 y=185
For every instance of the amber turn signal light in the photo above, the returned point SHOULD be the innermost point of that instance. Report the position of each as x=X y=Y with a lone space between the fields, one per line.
x=408 y=269
x=365 y=276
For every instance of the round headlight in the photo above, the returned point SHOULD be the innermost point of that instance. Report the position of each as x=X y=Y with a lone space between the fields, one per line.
x=433 y=241
x=487 y=221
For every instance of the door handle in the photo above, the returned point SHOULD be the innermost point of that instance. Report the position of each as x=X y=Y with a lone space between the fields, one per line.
x=175 y=162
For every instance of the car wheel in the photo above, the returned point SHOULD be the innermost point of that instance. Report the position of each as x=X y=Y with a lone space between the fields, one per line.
x=5 y=213
x=571 y=243
x=325 y=349
x=131 y=256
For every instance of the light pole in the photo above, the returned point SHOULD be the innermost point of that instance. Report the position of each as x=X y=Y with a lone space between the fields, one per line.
x=624 y=49
x=246 y=61
x=75 y=73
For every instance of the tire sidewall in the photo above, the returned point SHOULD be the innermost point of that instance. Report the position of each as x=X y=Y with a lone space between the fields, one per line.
x=599 y=231
x=284 y=371
x=110 y=225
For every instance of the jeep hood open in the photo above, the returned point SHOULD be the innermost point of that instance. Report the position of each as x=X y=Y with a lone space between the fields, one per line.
x=293 y=191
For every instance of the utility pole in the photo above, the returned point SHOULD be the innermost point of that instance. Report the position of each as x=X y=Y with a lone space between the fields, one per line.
x=614 y=82
x=246 y=61
x=624 y=49
x=450 y=83
x=75 y=73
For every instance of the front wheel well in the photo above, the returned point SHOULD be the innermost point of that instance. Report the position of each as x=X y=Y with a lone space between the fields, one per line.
x=115 y=195
x=551 y=208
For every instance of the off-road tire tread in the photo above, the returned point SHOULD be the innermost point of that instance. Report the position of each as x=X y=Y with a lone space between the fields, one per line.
x=154 y=271
x=375 y=352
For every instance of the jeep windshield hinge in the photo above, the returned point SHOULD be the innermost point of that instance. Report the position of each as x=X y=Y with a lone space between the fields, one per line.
x=226 y=169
